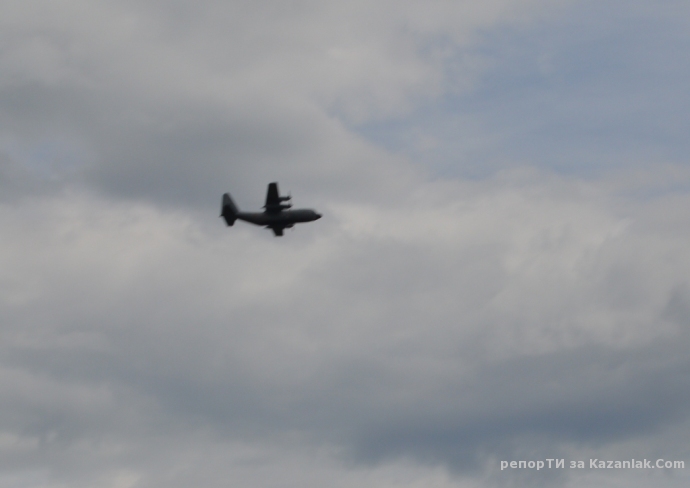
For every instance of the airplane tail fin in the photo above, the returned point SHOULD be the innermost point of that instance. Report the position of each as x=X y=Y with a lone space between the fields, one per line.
x=228 y=210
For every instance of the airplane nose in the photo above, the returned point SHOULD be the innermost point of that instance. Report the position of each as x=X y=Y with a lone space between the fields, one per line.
x=318 y=216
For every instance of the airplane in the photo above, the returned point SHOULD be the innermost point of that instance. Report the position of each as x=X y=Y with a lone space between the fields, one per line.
x=275 y=216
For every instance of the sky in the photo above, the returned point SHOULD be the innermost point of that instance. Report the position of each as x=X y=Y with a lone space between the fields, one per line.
x=500 y=273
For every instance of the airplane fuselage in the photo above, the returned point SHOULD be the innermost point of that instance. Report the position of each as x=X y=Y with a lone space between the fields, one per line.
x=284 y=218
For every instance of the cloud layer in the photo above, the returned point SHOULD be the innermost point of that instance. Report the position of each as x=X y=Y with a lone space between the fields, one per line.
x=425 y=329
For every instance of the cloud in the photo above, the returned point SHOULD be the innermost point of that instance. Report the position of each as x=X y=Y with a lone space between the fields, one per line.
x=523 y=316
x=426 y=328
x=162 y=101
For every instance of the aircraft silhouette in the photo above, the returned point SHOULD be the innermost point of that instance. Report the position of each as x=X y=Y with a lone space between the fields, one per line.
x=275 y=216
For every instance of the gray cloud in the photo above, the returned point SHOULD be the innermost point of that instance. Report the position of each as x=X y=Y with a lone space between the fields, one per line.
x=505 y=339
x=417 y=335
x=154 y=100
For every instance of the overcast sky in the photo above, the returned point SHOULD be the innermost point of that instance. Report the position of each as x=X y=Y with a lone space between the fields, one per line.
x=502 y=271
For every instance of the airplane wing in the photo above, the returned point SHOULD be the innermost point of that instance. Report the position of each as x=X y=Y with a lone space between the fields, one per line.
x=272 y=195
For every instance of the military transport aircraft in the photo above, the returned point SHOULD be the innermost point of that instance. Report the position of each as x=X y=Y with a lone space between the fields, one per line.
x=275 y=216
